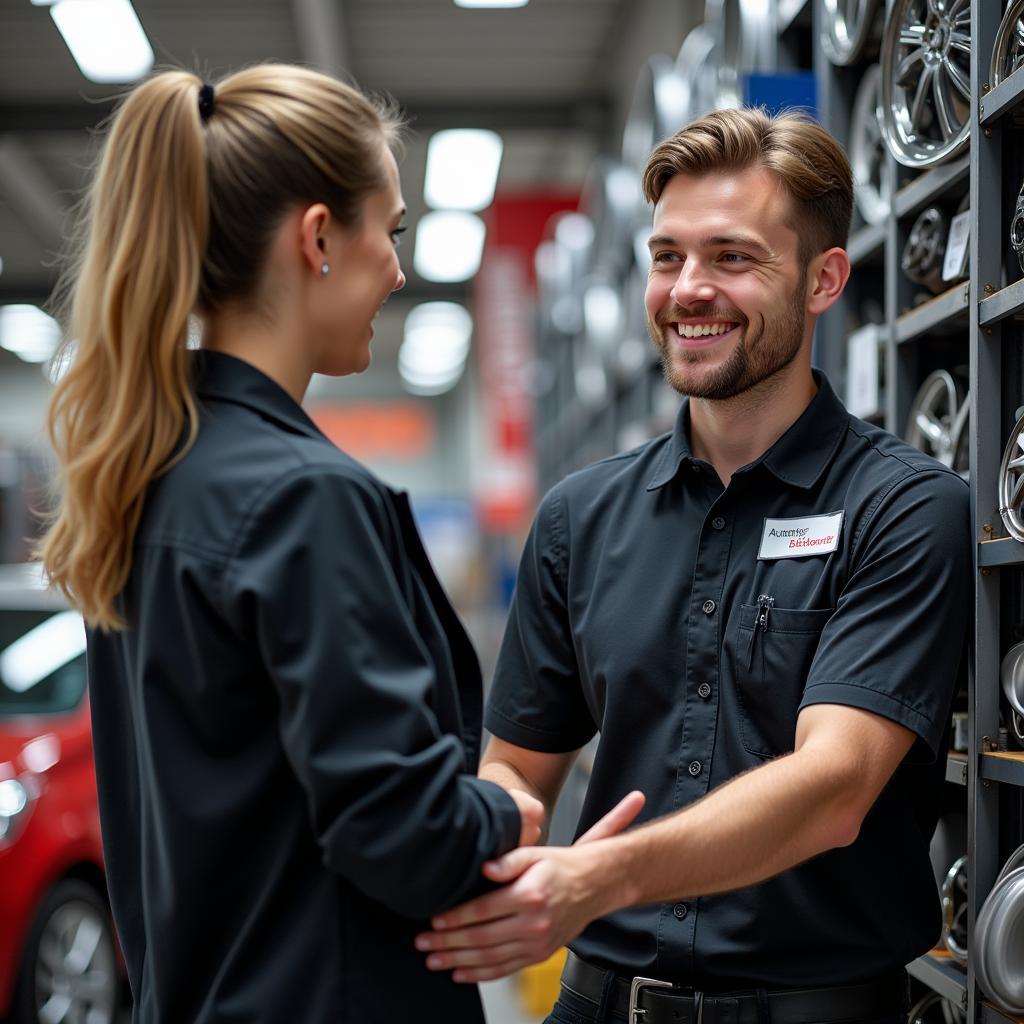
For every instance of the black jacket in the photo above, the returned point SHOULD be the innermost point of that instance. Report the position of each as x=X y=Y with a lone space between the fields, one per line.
x=285 y=735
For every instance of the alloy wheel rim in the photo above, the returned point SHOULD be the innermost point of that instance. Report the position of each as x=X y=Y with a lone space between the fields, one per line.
x=75 y=978
x=926 y=80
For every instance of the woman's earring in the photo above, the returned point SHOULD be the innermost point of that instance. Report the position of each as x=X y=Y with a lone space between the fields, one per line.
x=324 y=269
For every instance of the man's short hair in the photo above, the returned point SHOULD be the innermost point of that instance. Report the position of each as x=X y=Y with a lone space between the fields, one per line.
x=809 y=163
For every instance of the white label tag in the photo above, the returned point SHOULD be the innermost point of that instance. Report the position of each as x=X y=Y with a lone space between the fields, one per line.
x=798 y=538
x=862 y=371
x=955 y=263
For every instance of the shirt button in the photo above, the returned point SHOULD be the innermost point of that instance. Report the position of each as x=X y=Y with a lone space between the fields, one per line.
x=704 y=691
x=695 y=768
x=718 y=523
x=680 y=910
x=708 y=607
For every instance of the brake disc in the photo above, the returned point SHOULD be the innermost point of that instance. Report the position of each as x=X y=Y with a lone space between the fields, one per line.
x=848 y=28
x=926 y=80
x=1008 y=50
x=925 y=249
x=937 y=422
x=954 y=910
x=867 y=149
x=1011 y=482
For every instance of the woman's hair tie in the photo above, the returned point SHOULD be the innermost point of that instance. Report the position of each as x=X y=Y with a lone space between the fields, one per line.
x=205 y=101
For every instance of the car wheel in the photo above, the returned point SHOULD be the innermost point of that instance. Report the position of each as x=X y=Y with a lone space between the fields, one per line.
x=68 y=974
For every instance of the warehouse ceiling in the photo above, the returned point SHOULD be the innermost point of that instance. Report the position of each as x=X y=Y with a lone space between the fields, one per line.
x=536 y=74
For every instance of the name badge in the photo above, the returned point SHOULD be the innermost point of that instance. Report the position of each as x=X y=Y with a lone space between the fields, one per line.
x=798 y=538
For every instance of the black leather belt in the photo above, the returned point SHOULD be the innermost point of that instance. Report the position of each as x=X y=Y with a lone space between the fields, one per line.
x=649 y=1001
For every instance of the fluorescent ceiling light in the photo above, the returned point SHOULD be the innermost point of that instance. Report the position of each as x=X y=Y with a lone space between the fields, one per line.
x=435 y=347
x=105 y=37
x=491 y=3
x=42 y=650
x=28 y=332
x=462 y=169
x=449 y=245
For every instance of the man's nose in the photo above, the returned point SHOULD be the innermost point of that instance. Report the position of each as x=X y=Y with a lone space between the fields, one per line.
x=693 y=284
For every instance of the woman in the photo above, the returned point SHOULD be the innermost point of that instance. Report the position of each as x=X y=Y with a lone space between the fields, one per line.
x=286 y=710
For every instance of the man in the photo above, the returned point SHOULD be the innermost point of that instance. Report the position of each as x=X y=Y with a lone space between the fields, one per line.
x=762 y=613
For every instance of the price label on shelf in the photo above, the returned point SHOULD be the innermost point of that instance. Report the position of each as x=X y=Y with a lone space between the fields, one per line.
x=955 y=263
x=862 y=371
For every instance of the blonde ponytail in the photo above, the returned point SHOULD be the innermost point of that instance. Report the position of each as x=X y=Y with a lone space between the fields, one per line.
x=178 y=221
x=118 y=413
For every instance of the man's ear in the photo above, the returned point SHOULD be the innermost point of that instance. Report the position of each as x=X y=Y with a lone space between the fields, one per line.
x=827 y=277
x=314 y=243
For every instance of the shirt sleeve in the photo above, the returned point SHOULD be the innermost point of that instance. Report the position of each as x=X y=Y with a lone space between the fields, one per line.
x=536 y=700
x=895 y=643
x=317 y=581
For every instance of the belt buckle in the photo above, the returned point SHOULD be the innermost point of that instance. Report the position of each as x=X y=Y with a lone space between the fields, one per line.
x=637 y=985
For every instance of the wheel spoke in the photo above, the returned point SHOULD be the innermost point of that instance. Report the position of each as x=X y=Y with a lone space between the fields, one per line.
x=905 y=68
x=912 y=35
x=960 y=41
x=87 y=937
x=920 y=104
x=96 y=987
x=940 y=88
x=957 y=77
x=55 y=1009
x=932 y=429
x=1018 y=493
x=1017 y=463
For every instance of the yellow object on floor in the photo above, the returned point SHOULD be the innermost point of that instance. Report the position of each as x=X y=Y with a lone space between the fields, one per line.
x=538 y=984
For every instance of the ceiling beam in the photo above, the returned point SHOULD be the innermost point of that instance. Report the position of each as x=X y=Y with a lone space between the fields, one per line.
x=322 y=39
x=588 y=113
x=25 y=186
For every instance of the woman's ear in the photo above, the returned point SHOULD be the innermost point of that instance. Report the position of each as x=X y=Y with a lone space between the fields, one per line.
x=314 y=227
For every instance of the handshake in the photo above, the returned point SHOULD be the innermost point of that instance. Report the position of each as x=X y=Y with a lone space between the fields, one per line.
x=549 y=895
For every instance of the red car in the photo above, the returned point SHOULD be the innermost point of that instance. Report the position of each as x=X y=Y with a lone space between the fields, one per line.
x=59 y=962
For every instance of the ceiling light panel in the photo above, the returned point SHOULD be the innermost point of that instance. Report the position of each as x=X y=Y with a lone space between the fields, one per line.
x=491 y=3
x=462 y=169
x=106 y=39
x=28 y=332
x=435 y=347
x=449 y=245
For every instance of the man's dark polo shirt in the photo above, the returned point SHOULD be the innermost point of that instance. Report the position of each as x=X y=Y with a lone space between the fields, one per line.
x=636 y=616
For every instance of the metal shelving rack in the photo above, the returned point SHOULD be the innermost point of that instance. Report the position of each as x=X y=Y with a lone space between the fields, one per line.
x=983 y=310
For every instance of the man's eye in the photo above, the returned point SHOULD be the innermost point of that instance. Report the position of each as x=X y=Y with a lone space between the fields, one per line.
x=664 y=257
x=733 y=257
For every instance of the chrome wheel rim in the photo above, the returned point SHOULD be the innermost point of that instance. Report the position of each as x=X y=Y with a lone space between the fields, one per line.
x=1017 y=229
x=926 y=246
x=1008 y=51
x=937 y=422
x=1011 y=483
x=999 y=935
x=954 y=910
x=847 y=26
x=745 y=40
x=76 y=979
x=661 y=106
x=867 y=149
x=926 y=80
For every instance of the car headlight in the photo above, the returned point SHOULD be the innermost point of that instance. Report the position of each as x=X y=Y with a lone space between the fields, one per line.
x=14 y=801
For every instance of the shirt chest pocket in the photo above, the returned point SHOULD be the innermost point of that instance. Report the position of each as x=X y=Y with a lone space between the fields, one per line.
x=772 y=653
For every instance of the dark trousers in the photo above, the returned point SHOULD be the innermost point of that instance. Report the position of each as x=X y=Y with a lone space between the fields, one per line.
x=571 y=1009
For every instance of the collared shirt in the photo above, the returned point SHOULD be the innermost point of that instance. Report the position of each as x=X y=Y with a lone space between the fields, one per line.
x=286 y=735
x=652 y=606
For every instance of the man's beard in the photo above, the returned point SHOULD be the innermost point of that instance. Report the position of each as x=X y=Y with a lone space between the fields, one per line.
x=757 y=356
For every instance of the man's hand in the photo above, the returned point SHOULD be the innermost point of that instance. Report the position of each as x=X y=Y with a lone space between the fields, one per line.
x=531 y=813
x=551 y=898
